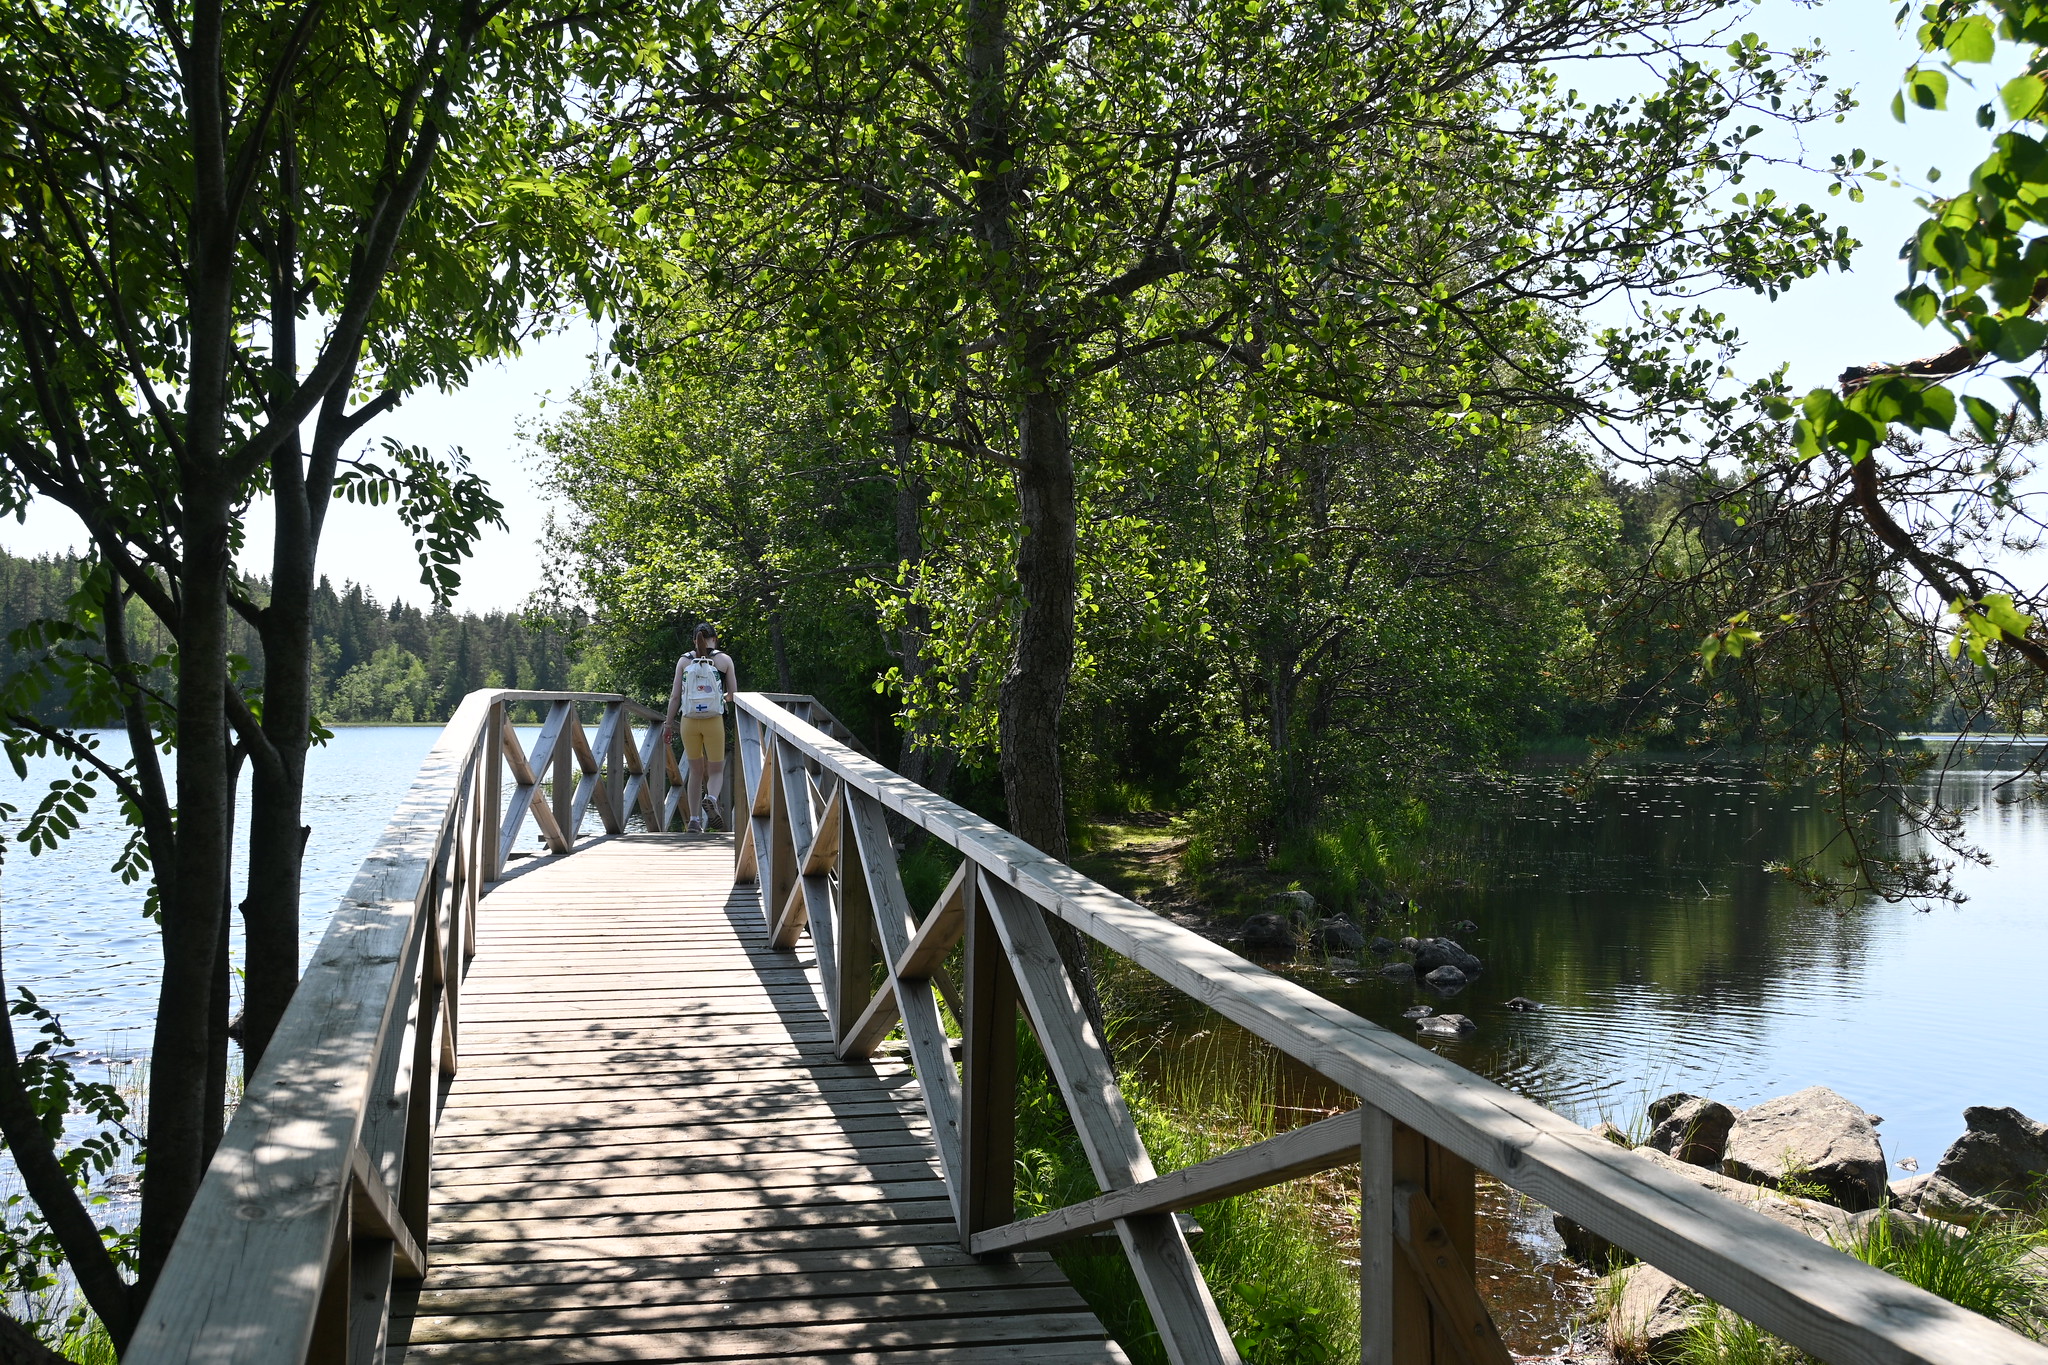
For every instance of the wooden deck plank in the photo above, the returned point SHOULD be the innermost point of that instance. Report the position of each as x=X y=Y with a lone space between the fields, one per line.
x=651 y=1153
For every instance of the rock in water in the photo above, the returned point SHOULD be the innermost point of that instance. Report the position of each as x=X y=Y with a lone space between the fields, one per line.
x=1432 y=953
x=1696 y=1132
x=1930 y=1196
x=1664 y=1106
x=1813 y=1136
x=1294 y=905
x=1382 y=947
x=2002 y=1156
x=1337 y=936
x=1523 y=1004
x=1417 y=1012
x=1410 y=942
x=1269 y=934
x=1446 y=1025
x=1399 y=971
x=1446 y=979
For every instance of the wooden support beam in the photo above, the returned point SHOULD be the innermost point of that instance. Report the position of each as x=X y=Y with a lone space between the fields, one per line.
x=597 y=773
x=824 y=851
x=493 y=778
x=1190 y=1327
x=988 y=1079
x=853 y=993
x=942 y=928
x=1302 y=1151
x=375 y=1213
x=1457 y=1310
x=930 y=1049
x=562 y=786
x=524 y=797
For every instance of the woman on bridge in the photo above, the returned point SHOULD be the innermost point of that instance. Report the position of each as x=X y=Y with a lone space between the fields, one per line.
x=705 y=684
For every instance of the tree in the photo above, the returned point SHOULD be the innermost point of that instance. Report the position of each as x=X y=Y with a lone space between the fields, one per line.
x=234 y=235
x=971 y=212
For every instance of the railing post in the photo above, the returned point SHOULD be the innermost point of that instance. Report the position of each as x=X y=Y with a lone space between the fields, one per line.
x=657 y=779
x=615 y=764
x=493 y=778
x=988 y=1118
x=1419 y=1302
x=856 y=936
x=563 y=797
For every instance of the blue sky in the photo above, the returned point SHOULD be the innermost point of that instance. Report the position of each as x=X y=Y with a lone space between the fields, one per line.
x=1818 y=328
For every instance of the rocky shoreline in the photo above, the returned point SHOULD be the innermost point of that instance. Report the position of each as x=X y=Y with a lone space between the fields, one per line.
x=1813 y=1161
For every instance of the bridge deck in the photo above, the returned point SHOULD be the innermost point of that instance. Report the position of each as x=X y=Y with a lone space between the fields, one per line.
x=651 y=1154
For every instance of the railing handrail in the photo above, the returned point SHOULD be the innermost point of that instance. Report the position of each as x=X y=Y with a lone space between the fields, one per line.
x=1812 y=1295
x=321 y=1177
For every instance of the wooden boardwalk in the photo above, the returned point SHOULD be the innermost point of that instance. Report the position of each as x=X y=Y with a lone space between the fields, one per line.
x=650 y=1152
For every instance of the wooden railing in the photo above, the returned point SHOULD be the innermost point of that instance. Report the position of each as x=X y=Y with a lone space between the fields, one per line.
x=814 y=840
x=316 y=1200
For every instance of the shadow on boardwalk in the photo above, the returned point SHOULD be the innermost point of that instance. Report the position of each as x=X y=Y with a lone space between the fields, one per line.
x=650 y=1152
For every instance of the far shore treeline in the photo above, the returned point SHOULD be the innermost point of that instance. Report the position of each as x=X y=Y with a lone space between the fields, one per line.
x=372 y=662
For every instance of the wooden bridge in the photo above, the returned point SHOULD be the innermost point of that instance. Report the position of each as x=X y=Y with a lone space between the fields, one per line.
x=634 y=1100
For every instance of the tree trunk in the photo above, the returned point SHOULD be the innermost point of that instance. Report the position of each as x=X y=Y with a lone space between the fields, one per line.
x=197 y=889
x=1034 y=690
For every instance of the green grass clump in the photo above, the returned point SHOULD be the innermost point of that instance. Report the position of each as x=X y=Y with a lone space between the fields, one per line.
x=1280 y=1282
x=1994 y=1268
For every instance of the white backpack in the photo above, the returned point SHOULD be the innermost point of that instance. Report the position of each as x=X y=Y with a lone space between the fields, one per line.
x=703 y=686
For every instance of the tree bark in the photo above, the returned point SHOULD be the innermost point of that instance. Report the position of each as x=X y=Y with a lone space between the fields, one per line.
x=196 y=891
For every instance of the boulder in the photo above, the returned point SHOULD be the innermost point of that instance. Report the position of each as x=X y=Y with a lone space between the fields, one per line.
x=1417 y=1012
x=1608 y=1130
x=1464 y=926
x=1399 y=971
x=1446 y=1025
x=1651 y=1315
x=1382 y=947
x=1696 y=1132
x=1409 y=942
x=1815 y=1137
x=1269 y=934
x=1664 y=1106
x=1823 y=1222
x=1904 y=1228
x=1523 y=1004
x=2002 y=1156
x=1931 y=1196
x=1447 y=979
x=1432 y=953
x=1337 y=936
x=1298 y=905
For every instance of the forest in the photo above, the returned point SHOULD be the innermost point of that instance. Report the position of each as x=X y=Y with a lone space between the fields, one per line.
x=1262 y=413
x=370 y=663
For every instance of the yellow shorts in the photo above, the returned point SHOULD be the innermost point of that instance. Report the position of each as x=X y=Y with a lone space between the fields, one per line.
x=704 y=737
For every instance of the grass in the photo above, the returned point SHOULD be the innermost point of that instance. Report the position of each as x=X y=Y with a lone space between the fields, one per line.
x=1988 y=1269
x=1991 y=1269
x=1274 y=1258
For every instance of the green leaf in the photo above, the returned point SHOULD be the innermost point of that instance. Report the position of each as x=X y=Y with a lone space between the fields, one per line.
x=1971 y=40
x=1983 y=416
x=1921 y=303
x=1927 y=89
x=2019 y=339
x=2027 y=392
x=2022 y=96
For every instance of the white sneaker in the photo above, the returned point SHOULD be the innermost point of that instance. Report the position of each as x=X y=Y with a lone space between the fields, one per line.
x=695 y=825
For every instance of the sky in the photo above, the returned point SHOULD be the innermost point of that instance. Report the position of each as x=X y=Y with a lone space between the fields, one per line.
x=1818 y=328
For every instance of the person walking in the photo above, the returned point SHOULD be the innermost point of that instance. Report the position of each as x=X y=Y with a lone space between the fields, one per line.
x=705 y=684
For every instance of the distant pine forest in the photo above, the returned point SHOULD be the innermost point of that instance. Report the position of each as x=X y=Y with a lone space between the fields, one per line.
x=375 y=662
